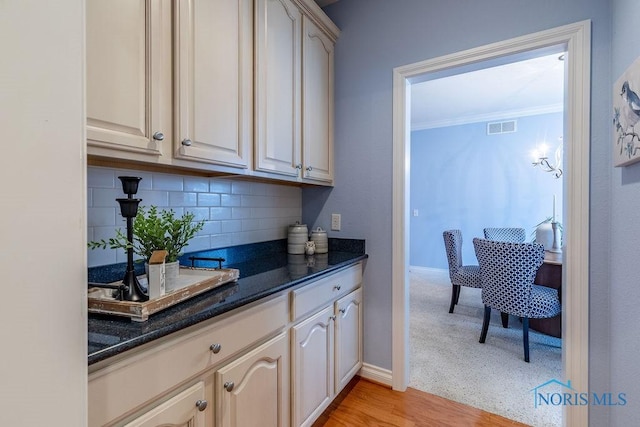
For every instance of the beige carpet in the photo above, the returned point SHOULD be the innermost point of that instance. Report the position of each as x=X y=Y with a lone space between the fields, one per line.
x=447 y=359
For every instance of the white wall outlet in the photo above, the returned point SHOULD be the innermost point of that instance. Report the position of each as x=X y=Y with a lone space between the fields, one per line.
x=335 y=222
x=415 y=212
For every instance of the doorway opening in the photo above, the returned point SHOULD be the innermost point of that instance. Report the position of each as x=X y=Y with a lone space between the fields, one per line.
x=472 y=138
x=575 y=40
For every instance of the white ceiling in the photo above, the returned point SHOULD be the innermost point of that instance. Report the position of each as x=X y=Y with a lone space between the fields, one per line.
x=527 y=87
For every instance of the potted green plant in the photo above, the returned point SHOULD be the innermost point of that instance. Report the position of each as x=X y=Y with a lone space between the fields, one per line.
x=153 y=230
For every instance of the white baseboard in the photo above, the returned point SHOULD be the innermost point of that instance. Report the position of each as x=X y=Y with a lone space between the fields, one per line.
x=376 y=374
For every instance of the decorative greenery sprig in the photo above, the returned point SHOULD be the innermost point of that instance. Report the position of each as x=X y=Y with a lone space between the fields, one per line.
x=155 y=230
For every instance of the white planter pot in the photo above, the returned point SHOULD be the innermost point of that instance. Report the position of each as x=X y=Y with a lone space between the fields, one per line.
x=171 y=275
x=544 y=235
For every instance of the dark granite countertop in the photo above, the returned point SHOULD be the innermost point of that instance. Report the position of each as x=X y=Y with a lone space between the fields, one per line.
x=260 y=277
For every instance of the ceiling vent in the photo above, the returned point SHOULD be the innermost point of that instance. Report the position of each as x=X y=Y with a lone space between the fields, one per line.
x=501 y=127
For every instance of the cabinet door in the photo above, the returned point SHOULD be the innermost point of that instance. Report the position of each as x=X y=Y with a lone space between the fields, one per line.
x=312 y=342
x=214 y=81
x=317 y=103
x=278 y=31
x=253 y=390
x=128 y=74
x=184 y=410
x=348 y=338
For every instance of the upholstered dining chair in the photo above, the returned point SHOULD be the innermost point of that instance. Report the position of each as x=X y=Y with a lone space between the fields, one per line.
x=460 y=275
x=505 y=234
x=507 y=272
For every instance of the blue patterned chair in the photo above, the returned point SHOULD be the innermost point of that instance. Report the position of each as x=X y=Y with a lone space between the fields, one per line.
x=460 y=275
x=507 y=271
x=505 y=234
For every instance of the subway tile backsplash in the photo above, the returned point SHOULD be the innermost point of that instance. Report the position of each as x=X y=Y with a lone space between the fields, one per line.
x=235 y=212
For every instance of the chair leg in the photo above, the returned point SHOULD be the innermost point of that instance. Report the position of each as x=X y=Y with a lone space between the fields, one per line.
x=505 y=319
x=485 y=323
x=525 y=338
x=455 y=291
x=458 y=293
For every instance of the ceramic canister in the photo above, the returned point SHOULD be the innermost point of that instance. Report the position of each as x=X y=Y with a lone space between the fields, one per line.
x=297 y=238
x=319 y=236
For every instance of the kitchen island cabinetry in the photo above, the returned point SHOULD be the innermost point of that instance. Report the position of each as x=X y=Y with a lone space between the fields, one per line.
x=294 y=91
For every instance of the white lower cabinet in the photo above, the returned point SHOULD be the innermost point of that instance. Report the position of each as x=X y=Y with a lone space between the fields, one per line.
x=274 y=363
x=348 y=327
x=326 y=346
x=312 y=366
x=186 y=409
x=254 y=389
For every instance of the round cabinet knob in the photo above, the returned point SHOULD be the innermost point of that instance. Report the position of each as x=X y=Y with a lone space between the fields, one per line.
x=342 y=310
x=201 y=405
x=337 y=287
x=229 y=385
x=158 y=136
x=186 y=142
x=332 y=318
x=215 y=348
x=309 y=168
x=299 y=166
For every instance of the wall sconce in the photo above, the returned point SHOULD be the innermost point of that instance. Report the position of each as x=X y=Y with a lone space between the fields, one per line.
x=540 y=159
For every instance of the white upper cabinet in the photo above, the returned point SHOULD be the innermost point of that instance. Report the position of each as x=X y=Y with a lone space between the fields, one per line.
x=317 y=103
x=129 y=75
x=231 y=86
x=294 y=90
x=214 y=81
x=278 y=96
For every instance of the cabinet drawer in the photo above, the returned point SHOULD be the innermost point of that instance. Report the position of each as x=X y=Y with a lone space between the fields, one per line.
x=314 y=296
x=152 y=372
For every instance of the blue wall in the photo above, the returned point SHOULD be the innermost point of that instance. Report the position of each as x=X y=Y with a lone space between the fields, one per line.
x=379 y=35
x=463 y=178
x=624 y=292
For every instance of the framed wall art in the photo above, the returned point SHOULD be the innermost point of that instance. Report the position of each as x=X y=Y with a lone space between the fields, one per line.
x=626 y=116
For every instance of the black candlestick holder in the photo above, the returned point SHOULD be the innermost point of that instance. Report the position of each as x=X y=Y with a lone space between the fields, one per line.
x=130 y=185
x=129 y=210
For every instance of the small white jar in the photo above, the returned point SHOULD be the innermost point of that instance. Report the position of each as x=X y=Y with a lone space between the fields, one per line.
x=319 y=236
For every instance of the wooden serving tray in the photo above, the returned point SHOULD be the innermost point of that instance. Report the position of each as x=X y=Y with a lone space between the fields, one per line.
x=192 y=282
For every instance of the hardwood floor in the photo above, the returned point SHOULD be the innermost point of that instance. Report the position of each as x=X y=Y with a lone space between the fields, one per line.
x=364 y=403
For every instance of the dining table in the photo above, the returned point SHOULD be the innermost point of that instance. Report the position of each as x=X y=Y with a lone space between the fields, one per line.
x=550 y=274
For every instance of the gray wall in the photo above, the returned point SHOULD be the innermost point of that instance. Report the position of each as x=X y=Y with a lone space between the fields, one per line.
x=378 y=35
x=625 y=235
